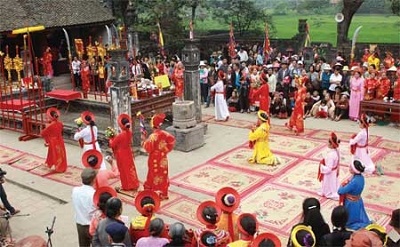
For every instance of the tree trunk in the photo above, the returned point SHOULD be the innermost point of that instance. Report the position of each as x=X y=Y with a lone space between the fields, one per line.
x=350 y=7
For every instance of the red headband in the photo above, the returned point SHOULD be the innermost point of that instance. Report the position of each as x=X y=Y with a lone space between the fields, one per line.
x=362 y=120
x=334 y=143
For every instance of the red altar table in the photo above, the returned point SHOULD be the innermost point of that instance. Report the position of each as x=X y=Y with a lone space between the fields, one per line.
x=64 y=95
x=15 y=104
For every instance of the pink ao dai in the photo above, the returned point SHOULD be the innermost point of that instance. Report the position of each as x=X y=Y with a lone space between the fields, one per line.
x=330 y=182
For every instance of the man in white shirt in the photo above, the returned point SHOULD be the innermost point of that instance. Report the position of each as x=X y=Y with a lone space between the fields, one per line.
x=137 y=72
x=244 y=57
x=82 y=200
x=334 y=80
x=76 y=69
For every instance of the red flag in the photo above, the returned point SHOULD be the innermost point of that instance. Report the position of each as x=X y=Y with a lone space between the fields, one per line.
x=232 y=44
x=267 y=47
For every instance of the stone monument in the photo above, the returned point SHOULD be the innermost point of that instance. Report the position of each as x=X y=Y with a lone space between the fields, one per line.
x=119 y=76
x=186 y=125
x=191 y=61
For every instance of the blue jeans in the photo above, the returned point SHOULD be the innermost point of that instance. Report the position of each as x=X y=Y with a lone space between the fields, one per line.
x=3 y=197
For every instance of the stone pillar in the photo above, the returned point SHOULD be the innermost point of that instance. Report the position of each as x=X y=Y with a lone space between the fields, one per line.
x=120 y=97
x=191 y=61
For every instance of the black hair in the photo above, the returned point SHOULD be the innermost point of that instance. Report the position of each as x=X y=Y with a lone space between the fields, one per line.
x=267 y=243
x=210 y=215
x=118 y=238
x=54 y=114
x=89 y=119
x=359 y=166
x=304 y=238
x=249 y=224
x=156 y=227
x=264 y=116
x=126 y=123
x=176 y=233
x=209 y=239
x=312 y=214
x=92 y=160
x=147 y=200
x=334 y=139
x=339 y=217
x=113 y=207
x=103 y=201
x=372 y=65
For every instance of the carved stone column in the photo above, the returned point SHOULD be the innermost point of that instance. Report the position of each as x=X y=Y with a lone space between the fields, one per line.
x=120 y=97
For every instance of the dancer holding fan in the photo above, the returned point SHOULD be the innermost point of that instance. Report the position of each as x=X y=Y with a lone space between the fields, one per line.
x=89 y=134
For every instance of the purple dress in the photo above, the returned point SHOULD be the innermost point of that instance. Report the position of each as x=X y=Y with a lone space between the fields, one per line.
x=356 y=95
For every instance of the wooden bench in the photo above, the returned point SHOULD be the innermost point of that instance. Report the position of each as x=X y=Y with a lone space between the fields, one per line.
x=380 y=106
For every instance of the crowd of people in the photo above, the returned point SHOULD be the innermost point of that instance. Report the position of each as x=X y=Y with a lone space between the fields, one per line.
x=101 y=222
x=280 y=86
x=333 y=89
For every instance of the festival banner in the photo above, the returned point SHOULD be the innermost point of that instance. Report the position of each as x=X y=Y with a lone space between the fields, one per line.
x=160 y=40
x=267 y=47
x=307 y=42
x=232 y=43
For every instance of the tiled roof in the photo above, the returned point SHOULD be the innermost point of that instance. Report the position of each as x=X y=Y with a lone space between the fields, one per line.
x=51 y=13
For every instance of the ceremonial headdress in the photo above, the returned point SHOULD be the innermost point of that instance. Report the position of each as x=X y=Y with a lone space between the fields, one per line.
x=207 y=212
x=380 y=230
x=228 y=199
x=266 y=238
x=92 y=159
x=87 y=116
x=52 y=113
x=147 y=202
x=364 y=121
x=333 y=140
x=208 y=239
x=247 y=224
x=302 y=235
x=124 y=121
x=221 y=74
x=262 y=115
x=157 y=120
x=357 y=167
x=102 y=190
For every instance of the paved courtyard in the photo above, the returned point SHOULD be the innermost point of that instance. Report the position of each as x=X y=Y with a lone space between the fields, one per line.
x=43 y=198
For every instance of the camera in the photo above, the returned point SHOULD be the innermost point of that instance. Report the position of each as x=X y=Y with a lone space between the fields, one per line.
x=2 y=173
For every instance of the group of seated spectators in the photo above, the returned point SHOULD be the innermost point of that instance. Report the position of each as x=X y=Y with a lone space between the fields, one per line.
x=222 y=226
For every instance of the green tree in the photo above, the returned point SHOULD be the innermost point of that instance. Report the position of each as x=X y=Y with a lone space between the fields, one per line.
x=243 y=14
x=395 y=6
x=350 y=7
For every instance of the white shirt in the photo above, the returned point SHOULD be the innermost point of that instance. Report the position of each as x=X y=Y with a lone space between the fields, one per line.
x=82 y=200
x=86 y=135
x=243 y=56
x=335 y=81
x=76 y=66
x=272 y=82
x=136 y=70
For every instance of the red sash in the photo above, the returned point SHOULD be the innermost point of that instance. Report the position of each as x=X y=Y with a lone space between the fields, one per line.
x=342 y=197
x=320 y=175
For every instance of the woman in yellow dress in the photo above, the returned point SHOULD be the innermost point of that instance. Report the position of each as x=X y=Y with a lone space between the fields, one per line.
x=258 y=138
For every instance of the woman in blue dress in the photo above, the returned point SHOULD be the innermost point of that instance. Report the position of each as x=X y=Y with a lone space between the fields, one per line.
x=350 y=196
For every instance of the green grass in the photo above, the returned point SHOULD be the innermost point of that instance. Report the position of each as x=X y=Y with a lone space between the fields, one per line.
x=376 y=28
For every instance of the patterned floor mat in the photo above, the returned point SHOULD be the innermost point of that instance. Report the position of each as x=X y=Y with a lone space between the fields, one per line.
x=71 y=177
x=182 y=210
x=343 y=136
x=390 y=145
x=7 y=155
x=390 y=162
x=209 y=178
x=27 y=162
x=238 y=158
x=303 y=177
